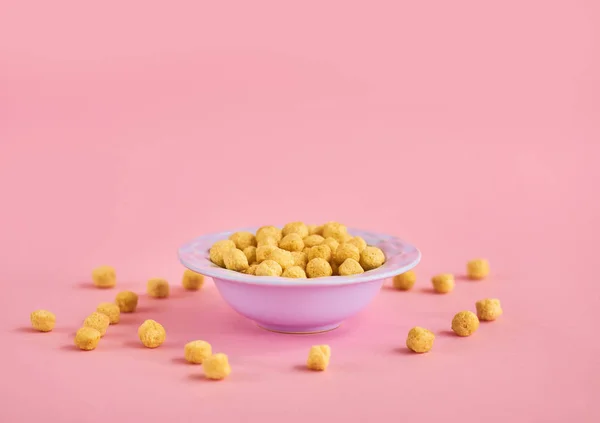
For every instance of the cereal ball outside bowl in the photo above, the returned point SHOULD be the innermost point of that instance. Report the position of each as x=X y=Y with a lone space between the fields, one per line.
x=297 y=304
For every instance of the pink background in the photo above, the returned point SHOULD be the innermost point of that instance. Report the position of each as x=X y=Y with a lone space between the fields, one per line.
x=470 y=128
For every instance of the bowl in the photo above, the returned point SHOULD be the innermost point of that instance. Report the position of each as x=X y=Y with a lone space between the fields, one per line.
x=290 y=305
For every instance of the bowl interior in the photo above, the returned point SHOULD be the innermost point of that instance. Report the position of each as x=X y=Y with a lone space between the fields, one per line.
x=400 y=257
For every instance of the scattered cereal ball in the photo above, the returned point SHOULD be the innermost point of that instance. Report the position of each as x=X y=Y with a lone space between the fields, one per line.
x=98 y=321
x=292 y=242
x=152 y=334
x=243 y=239
x=346 y=251
x=295 y=228
x=465 y=323
x=332 y=243
x=306 y=250
x=313 y=240
x=87 y=338
x=359 y=242
x=216 y=367
x=269 y=240
x=300 y=259
x=127 y=301
x=420 y=340
x=443 y=283
x=350 y=267
x=218 y=249
x=478 y=268
x=326 y=350
x=335 y=230
x=104 y=277
x=111 y=310
x=318 y=267
x=42 y=320
x=405 y=281
x=334 y=269
x=488 y=309
x=319 y=251
x=235 y=260
x=197 y=351
x=264 y=252
x=250 y=253
x=284 y=258
x=318 y=357
x=315 y=230
x=294 y=272
x=191 y=280
x=268 y=232
x=269 y=268
x=157 y=288
x=371 y=258
x=251 y=270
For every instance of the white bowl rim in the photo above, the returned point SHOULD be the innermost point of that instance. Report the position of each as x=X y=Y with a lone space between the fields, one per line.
x=400 y=257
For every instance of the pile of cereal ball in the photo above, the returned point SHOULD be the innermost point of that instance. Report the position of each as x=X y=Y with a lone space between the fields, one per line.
x=297 y=251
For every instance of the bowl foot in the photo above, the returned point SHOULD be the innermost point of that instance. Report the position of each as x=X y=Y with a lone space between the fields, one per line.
x=298 y=331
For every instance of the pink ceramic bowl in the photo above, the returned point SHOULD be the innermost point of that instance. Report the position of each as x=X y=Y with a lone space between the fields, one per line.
x=300 y=305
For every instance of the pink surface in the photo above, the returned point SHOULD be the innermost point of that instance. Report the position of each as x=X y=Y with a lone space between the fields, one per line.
x=468 y=128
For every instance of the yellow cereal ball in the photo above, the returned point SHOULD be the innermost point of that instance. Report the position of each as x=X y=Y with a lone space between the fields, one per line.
x=111 y=310
x=291 y=242
x=269 y=240
x=319 y=251
x=87 y=338
x=191 y=280
x=294 y=272
x=250 y=253
x=465 y=323
x=264 y=252
x=300 y=259
x=157 y=288
x=127 y=301
x=216 y=367
x=335 y=230
x=443 y=283
x=318 y=357
x=315 y=229
x=488 y=309
x=478 y=269
x=318 y=267
x=295 y=228
x=350 y=267
x=98 y=321
x=268 y=232
x=420 y=340
x=371 y=258
x=197 y=351
x=235 y=260
x=405 y=281
x=359 y=242
x=269 y=268
x=42 y=320
x=251 y=270
x=334 y=269
x=104 y=277
x=243 y=239
x=346 y=251
x=284 y=258
x=306 y=250
x=332 y=243
x=218 y=249
x=313 y=240
x=152 y=334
